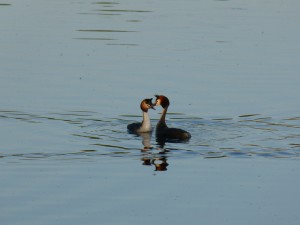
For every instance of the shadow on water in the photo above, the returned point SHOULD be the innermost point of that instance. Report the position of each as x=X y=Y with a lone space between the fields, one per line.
x=111 y=36
x=88 y=135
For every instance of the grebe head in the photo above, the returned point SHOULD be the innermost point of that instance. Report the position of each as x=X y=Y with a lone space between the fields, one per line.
x=147 y=104
x=162 y=100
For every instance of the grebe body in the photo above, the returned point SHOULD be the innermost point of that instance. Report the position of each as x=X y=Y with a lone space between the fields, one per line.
x=162 y=130
x=145 y=125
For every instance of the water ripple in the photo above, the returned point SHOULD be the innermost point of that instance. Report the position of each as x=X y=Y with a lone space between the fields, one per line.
x=123 y=16
x=90 y=135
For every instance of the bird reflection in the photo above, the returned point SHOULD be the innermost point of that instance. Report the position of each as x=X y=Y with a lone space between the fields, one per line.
x=160 y=163
x=161 y=141
x=159 y=160
x=146 y=140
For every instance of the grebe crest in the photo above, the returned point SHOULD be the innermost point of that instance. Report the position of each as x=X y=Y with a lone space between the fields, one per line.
x=162 y=100
x=147 y=104
x=145 y=125
x=163 y=132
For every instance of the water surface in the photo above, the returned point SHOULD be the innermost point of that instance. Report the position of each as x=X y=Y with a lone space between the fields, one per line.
x=73 y=74
x=89 y=135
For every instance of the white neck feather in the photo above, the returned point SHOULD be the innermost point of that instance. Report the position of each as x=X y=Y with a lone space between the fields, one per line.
x=146 y=124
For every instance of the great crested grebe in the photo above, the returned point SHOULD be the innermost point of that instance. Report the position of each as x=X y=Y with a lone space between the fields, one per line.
x=162 y=130
x=145 y=125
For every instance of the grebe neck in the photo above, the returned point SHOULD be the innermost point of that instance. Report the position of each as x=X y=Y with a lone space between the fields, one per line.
x=162 y=121
x=146 y=124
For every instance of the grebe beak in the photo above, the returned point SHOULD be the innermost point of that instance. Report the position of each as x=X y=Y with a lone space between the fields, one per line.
x=152 y=105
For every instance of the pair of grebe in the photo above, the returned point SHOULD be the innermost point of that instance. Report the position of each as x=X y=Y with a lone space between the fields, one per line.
x=162 y=130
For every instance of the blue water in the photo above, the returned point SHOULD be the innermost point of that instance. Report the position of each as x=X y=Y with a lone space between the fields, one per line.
x=89 y=135
x=73 y=74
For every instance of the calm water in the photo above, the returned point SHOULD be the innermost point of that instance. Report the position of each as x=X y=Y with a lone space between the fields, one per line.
x=73 y=74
